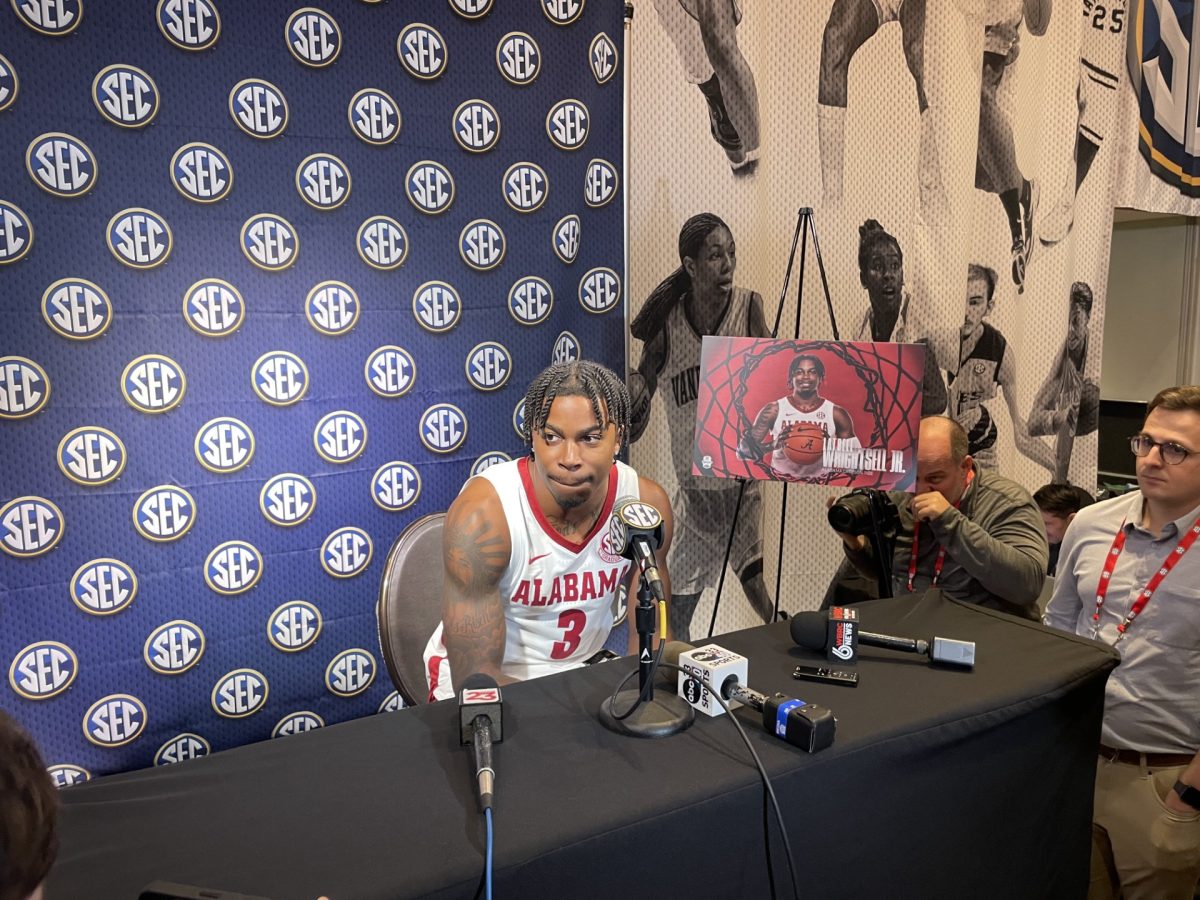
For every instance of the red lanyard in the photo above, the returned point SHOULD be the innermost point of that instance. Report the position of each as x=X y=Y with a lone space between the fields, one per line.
x=1147 y=592
x=912 y=560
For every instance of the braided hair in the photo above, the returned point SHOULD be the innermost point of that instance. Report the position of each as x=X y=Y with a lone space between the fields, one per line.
x=653 y=316
x=582 y=378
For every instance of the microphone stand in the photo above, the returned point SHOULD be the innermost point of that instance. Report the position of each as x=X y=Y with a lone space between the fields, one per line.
x=637 y=712
x=883 y=545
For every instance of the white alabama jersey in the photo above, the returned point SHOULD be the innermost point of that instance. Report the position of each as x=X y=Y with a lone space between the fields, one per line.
x=559 y=595
x=789 y=415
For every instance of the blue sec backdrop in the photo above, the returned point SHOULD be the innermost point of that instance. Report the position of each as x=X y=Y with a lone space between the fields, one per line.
x=273 y=280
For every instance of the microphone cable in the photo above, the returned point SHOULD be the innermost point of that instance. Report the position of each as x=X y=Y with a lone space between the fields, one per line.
x=648 y=687
x=484 y=888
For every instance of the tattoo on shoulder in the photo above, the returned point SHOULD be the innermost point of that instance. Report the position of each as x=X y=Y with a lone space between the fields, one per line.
x=475 y=555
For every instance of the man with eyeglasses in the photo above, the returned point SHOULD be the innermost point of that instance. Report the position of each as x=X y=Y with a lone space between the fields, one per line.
x=1129 y=575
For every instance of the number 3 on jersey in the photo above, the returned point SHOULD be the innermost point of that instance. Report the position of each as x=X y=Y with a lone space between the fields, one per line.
x=571 y=622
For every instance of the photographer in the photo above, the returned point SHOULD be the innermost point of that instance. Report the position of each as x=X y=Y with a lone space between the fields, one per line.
x=971 y=532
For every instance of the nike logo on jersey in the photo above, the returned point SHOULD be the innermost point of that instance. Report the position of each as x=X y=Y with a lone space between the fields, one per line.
x=534 y=559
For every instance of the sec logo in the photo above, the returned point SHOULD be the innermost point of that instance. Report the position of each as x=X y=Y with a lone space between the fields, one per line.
x=390 y=371
x=139 y=238
x=313 y=37
x=258 y=108
x=189 y=24
x=77 y=309
x=24 y=387
x=567 y=124
x=374 y=116
x=340 y=436
x=287 y=499
x=488 y=366
x=174 y=647
x=125 y=95
x=393 y=702
x=395 y=486
x=476 y=126
x=566 y=238
x=437 y=306
x=566 y=348
x=518 y=418
x=30 y=526
x=600 y=182
x=164 y=513
x=602 y=55
x=10 y=85
x=102 y=587
x=214 y=308
x=323 y=181
x=182 y=747
x=422 y=51
x=52 y=17
x=471 y=9
x=530 y=300
x=346 y=552
x=239 y=693
x=350 y=672
x=294 y=626
x=279 y=378
x=91 y=456
x=115 y=720
x=60 y=164
x=201 y=172
x=430 y=187
x=599 y=290
x=297 y=723
x=332 y=308
x=382 y=243
x=233 y=567
x=525 y=186
x=66 y=774
x=43 y=670
x=481 y=244
x=443 y=428
x=224 y=445
x=562 y=12
x=270 y=242
x=606 y=546
x=153 y=384
x=518 y=57
x=16 y=233
x=487 y=460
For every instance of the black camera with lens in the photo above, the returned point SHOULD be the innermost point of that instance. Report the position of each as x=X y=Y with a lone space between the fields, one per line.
x=864 y=510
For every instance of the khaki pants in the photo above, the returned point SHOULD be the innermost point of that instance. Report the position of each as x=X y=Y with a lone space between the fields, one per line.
x=1140 y=849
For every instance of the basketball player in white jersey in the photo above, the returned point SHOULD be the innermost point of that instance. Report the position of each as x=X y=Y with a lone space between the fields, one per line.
x=805 y=405
x=699 y=298
x=531 y=579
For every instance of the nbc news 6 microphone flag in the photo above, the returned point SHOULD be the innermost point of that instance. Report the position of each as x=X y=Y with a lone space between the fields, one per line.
x=273 y=280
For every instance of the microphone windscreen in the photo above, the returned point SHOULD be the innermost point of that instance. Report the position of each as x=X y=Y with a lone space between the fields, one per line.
x=479 y=695
x=809 y=629
x=478 y=680
x=672 y=651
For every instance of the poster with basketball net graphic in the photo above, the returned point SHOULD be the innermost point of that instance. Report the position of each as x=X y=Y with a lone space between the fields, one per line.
x=840 y=413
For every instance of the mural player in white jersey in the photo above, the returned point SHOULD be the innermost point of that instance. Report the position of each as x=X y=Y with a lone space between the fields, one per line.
x=531 y=579
x=699 y=298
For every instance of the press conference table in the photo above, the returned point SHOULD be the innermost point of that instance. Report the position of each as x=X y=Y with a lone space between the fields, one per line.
x=940 y=783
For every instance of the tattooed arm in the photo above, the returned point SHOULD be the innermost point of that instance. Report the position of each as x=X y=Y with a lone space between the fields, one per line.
x=475 y=550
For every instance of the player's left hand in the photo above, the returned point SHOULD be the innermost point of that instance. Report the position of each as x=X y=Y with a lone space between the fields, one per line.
x=928 y=506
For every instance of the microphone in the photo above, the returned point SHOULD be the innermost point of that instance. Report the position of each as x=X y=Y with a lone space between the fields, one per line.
x=811 y=631
x=479 y=717
x=636 y=531
x=712 y=670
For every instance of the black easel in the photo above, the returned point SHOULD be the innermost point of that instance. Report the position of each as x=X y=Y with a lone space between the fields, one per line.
x=804 y=227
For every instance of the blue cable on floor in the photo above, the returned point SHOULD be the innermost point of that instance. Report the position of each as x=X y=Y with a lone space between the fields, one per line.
x=487 y=813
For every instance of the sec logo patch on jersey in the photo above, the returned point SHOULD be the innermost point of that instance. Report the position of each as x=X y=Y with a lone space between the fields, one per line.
x=332 y=308
x=24 y=387
x=374 y=116
x=382 y=243
x=51 y=17
x=443 y=428
x=201 y=172
x=287 y=499
x=139 y=238
x=189 y=24
x=164 y=513
x=91 y=456
x=390 y=371
x=476 y=126
x=346 y=552
x=396 y=486
x=340 y=436
x=429 y=186
x=599 y=290
x=258 y=108
x=125 y=95
x=101 y=587
x=437 y=306
x=213 y=307
x=270 y=242
x=530 y=300
x=350 y=672
x=518 y=57
x=422 y=51
x=77 y=309
x=30 y=526
x=153 y=384
x=294 y=626
x=313 y=37
x=16 y=233
x=173 y=647
x=279 y=378
x=115 y=720
x=488 y=366
x=224 y=445
x=323 y=181
x=240 y=693
x=567 y=124
x=525 y=186
x=43 y=670
x=61 y=164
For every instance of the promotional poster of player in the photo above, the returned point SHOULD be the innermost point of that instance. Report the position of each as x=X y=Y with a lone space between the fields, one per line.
x=840 y=413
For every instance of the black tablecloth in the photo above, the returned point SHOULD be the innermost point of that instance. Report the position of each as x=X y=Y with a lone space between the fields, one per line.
x=940 y=783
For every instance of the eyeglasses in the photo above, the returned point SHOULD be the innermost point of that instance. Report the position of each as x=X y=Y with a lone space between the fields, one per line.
x=1172 y=453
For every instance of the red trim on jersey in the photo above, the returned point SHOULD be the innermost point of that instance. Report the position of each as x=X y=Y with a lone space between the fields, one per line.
x=543 y=522
x=433 y=675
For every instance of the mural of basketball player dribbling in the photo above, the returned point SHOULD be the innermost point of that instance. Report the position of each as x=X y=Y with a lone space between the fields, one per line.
x=699 y=298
